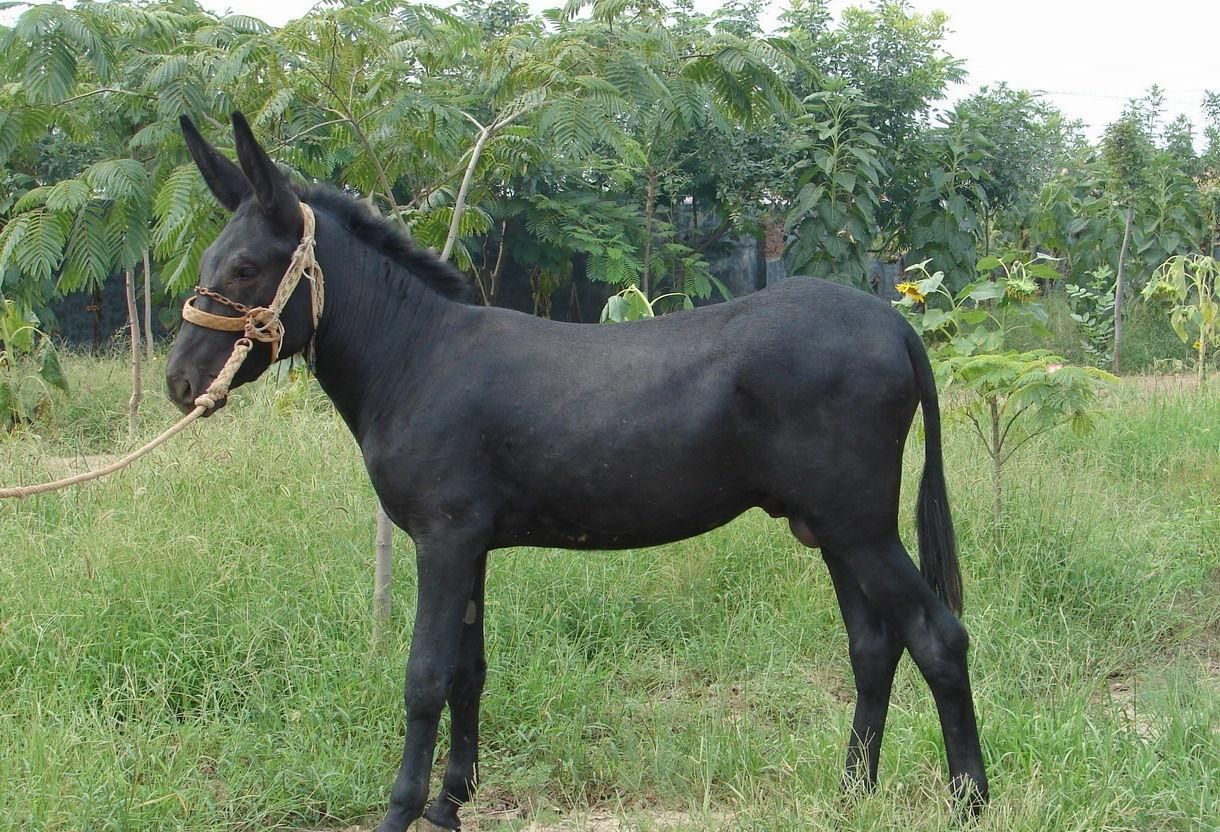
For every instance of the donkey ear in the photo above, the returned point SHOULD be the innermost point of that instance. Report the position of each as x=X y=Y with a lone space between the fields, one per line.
x=225 y=180
x=275 y=196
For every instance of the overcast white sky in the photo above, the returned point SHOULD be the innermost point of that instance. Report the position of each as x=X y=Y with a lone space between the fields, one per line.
x=1087 y=56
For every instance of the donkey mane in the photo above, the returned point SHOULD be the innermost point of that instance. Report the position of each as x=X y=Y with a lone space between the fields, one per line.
x=380 y=234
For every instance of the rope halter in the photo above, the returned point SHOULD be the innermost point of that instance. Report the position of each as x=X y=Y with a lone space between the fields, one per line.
x=262 y=323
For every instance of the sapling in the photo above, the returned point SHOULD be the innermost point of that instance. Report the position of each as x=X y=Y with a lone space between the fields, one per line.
x=29 y=367
x=1188 y=282
x=631 y=304
x=1007 y=397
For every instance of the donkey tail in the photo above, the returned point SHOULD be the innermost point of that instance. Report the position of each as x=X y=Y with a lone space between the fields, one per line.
x=937 y=541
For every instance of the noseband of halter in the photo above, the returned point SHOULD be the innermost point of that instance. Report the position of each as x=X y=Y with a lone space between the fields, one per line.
x=262 y=323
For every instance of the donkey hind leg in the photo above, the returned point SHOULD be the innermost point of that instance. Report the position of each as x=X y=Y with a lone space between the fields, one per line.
x=875 y=648
x=471 y=672
x=446 y=567
x=937 y=642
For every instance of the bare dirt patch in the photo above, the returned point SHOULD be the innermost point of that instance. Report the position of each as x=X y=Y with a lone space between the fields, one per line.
x=1124 y=698
x=66 y=466
x=1168 y=382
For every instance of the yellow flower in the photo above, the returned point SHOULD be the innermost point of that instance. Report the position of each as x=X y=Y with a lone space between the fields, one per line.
x=911 y=290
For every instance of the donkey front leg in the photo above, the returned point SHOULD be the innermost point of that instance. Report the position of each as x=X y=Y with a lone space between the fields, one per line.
x=464 y=694
x=447 y=566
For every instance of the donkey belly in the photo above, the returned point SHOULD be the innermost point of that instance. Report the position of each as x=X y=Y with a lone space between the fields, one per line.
x=674 y=472
x=614 y=527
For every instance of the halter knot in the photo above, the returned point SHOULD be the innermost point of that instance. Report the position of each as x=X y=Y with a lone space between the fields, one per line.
x=263 y=324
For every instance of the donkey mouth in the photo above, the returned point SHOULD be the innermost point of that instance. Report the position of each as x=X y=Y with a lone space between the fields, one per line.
x=183 y=398
x=220 y=403
x=188 y=407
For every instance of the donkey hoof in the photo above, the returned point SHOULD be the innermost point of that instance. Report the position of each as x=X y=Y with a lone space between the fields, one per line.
x=970 y=796
x=425 y=825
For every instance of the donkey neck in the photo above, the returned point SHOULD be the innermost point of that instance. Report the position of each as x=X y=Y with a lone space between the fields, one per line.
x=380 y=327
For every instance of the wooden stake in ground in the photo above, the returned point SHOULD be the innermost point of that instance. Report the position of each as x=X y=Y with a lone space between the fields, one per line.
x=382 y=576
x=133 y=322
x=148 y=339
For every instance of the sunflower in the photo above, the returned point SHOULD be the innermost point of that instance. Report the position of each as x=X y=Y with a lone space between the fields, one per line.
x=1021 y=288
x=911 y=289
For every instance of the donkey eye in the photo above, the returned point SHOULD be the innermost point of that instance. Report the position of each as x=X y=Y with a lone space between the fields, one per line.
x=247 y=271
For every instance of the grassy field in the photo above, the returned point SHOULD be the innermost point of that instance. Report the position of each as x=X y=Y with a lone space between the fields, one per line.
x=186 y=646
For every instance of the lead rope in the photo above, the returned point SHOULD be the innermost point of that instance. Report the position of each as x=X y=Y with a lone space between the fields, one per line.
x=260 y=323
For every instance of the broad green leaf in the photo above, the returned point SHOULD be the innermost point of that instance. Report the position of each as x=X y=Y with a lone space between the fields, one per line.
x=933 y=319
x=929 y=285
x=986 y=290
x=51 y=371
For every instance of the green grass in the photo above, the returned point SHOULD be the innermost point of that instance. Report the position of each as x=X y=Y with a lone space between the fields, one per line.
x=186 y=645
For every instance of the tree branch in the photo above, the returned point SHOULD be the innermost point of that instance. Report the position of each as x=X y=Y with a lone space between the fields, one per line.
x=716 y=236
x=75 y=98
x=1025 y=439
x=979 y=430
x=1009 y=424
x=345 y=114
x=459 y=202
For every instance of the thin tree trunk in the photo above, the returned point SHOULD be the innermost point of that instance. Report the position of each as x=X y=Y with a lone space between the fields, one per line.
x=1120 y=287
x=986 y=231
x=133 y=322
x=148 y=336
x=649 y=208
x=96 y=308
x=997 y=500
x=459 y=203
x=994 y=452
x=1202 y=369
x=382 y=576
x=489 y=297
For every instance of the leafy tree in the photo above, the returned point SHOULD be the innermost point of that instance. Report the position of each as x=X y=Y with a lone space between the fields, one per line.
x=1209 y=173
x=945 y=218
x=1026 y=143
x=834 y=215
x=1127 y=152
x=634 y=92
x=926 y=196
x=1074 y=221
x=893 y=56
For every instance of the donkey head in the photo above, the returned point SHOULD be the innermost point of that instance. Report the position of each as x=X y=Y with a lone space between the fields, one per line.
x=243 y=267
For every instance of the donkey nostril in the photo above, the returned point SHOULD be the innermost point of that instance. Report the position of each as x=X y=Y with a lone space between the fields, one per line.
x=180 y=389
